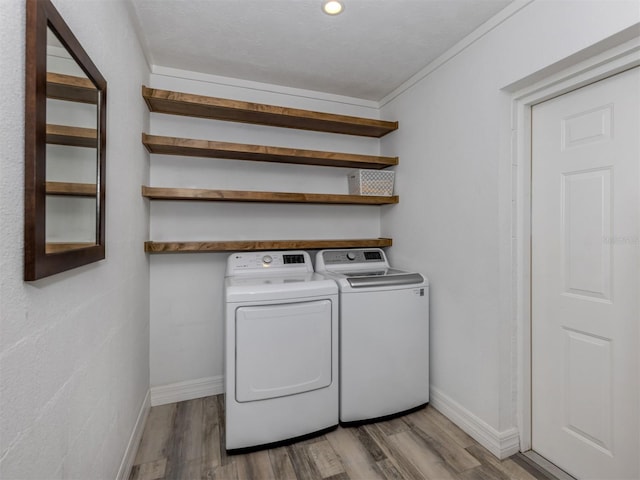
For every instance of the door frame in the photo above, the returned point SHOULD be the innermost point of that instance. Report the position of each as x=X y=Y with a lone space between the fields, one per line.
x=619 y=54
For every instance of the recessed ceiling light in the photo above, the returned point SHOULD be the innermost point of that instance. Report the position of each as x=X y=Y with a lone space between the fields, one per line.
x=332 y=7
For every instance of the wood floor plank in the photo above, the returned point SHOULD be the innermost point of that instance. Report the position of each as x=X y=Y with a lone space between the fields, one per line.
x=281 y=464
x=515 y=471
x=538 y=472
x=447 y=425
x=439 y=441
x=207 y=469
x=394 y=425
x=149 y=471
x=325 y=458
x=339 y=476
x=157 y=432
x=389 y=471
x=187 y=439
x=193 y=429
x=483 y=472
x=302 y=462
x=394 y=452
x=508 y=466
x=355 y=458
x=255 y=466
x=189 y=470
x=224 y=458
x=369 y=443
x=412 y=447
x=227 y=471
x=211 y=448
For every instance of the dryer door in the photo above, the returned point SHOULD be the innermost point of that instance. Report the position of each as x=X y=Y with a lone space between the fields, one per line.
x=282 y=349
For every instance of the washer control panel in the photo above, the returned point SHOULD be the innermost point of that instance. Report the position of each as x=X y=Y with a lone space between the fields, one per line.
x=354 y=256
x=255 y=262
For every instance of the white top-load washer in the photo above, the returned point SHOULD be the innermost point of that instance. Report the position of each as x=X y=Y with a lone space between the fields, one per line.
x=281 y=349
x=384 y=334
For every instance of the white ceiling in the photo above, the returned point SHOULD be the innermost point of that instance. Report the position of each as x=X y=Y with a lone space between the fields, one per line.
x=365 y=52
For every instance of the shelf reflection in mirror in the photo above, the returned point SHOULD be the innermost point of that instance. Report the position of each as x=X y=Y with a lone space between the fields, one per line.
x=72 y=154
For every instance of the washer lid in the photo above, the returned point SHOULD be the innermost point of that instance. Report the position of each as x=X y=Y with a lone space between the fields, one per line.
x=381 y=272
x=385 y=280
x=278 y=287
x=385 y=277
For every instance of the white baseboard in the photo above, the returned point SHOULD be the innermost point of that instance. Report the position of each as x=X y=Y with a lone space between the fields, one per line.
x=501 y=444
x=134 y=440
x=188 y=390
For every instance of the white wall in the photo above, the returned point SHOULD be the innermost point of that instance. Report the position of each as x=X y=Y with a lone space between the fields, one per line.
x=186 y=289
x=454 y=177
x=74 y=347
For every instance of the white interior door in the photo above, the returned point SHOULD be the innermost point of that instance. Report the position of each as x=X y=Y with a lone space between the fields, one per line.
x=585 y=279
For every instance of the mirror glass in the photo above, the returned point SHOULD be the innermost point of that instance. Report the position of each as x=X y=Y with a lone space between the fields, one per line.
x=65 y=139
x=71 y=152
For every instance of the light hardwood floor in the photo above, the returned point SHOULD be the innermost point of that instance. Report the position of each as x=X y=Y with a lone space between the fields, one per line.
x=185 y=441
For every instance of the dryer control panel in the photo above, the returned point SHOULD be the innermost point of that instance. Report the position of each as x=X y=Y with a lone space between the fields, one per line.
x=242 y=263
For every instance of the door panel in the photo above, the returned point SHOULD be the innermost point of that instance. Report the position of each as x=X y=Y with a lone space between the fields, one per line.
x=586 y=220
x=586 y=127
x=585 y=279
x=588 y=373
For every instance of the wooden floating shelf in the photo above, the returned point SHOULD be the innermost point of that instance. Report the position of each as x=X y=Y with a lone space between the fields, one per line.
x=160 y=193
x=177 y=103
x=71 y=189
x=250 y=245
x=72 y=136
x=58 y=247
x=70 y=88
x=260 y=153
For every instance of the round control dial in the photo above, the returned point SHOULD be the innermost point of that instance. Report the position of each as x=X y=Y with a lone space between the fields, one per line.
x=267 y=259
x=351 y=256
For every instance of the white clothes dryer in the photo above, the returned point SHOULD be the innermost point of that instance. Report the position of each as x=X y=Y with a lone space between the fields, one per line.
x=281 y=349
x=384 y=334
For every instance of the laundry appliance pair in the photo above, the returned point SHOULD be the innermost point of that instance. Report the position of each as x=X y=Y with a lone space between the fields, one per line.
x=306 y=350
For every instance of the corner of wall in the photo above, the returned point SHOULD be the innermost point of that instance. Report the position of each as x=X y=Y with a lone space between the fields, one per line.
x=502 y=444
x=187 y=390
x=134 y=440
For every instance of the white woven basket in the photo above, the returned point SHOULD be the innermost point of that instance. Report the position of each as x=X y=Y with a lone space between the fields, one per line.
x=371 y=182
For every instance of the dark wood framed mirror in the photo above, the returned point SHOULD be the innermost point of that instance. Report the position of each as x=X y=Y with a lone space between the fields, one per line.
x=65 y=138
